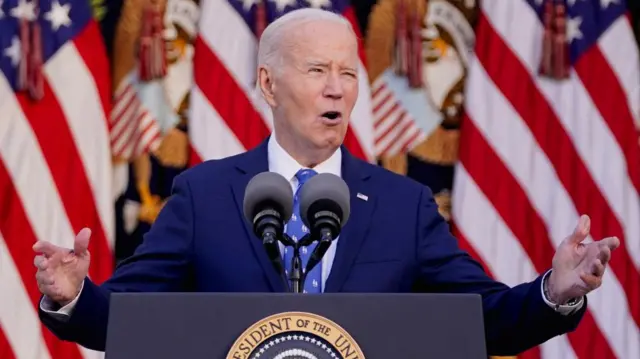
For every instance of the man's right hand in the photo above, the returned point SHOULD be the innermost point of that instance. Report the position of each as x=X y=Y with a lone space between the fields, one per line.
x=61 y=271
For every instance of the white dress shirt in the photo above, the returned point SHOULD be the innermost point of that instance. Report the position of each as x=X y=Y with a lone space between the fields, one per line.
x=282 y=163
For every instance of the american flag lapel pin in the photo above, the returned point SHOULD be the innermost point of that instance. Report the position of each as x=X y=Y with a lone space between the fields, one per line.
x=362 y=197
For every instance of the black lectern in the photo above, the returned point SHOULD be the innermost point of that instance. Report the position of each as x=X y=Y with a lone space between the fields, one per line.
x=286 y=325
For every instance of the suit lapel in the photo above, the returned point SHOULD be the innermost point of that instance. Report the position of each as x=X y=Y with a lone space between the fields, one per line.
x=355 y=174
x=249 y=165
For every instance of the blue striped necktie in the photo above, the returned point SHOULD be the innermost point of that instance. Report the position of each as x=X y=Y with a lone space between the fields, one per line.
x=296 y=230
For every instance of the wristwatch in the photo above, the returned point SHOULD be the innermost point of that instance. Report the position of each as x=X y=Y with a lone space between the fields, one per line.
x=571 y=306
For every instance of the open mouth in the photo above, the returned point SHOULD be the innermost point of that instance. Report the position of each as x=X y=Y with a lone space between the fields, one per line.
x=332 y=115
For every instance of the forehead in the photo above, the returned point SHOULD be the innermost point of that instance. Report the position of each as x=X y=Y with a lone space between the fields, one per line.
x=324 y=40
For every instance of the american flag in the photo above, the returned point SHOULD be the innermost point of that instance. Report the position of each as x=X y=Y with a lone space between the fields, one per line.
x=539 y=150
x=55 y=158
x=227 y=114
x=395 y=129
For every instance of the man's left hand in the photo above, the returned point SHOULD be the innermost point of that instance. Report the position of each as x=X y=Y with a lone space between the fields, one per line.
x=578 y=267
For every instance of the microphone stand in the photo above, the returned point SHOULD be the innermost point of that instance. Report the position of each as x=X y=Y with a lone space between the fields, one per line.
x=297 y=277
x=297 y=282
x=324 y=242
x=270 y=243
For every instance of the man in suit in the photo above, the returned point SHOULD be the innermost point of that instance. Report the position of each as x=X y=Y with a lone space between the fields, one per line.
x=395 y=239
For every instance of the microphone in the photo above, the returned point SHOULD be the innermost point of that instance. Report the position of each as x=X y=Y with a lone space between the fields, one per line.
x=268 y=204
x=324 y=209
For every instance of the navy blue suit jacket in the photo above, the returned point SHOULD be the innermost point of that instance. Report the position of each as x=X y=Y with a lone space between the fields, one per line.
x=396 y=241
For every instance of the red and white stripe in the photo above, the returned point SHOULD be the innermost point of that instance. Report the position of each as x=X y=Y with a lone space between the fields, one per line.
x=536 y=153
x=134 y=130
x=395 y=129
x=227 y=116
x=55 y=179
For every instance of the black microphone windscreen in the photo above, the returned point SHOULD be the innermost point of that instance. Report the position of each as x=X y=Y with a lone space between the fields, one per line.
x=325 y=190
x=268 y=189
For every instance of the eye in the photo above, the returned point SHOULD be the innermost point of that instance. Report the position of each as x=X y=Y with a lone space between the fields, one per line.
x=316 y=69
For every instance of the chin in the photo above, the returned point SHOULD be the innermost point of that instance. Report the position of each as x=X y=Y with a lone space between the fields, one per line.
x=327 y=142
x=325 y=138
x=333 y=142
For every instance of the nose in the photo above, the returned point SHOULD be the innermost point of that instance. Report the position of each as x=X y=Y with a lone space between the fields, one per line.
x=334 y=88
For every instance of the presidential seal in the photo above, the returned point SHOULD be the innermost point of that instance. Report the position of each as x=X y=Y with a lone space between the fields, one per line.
x=295 y=335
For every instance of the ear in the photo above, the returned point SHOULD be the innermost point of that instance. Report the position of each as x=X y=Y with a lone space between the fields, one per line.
x=267 y=85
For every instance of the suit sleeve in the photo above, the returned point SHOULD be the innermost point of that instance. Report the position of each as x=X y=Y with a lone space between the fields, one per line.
x=162 y=263
x=515 y=319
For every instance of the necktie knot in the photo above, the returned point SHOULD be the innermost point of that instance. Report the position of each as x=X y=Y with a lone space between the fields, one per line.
x=304 y=174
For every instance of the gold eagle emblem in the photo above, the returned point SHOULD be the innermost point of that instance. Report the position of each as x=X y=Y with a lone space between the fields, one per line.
x=174 y=24
x=442 y=40
x=446 y=41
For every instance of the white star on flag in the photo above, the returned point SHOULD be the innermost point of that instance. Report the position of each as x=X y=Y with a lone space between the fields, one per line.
x=58 y=15
x=318 y=4
x=282 y=4
x=573 y=28
x=13 y=51
x=248 y=4
x=25 y=10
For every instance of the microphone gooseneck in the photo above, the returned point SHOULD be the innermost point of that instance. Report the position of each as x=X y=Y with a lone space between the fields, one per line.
x=318 y=253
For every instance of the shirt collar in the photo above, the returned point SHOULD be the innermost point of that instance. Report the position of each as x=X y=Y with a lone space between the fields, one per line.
x=282 y=163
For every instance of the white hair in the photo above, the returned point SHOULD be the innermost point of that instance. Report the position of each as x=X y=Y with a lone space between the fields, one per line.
x=273 y=36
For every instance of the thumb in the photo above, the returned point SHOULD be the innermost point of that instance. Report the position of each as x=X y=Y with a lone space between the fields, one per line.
x=81 y=243
x=582 y=230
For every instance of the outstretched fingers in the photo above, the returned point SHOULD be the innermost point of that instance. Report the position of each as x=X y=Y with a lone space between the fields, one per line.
x=46 y=248
x=610 y=242
x=41 y=262
x=591 y=280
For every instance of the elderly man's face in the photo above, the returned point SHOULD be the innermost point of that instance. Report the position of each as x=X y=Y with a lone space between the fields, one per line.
x=317 y=88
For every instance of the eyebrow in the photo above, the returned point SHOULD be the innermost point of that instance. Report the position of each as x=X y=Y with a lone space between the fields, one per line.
x=325 y=65
x=317 y=63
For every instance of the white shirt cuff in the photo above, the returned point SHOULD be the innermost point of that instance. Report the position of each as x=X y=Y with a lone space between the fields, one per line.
x=565 y=309
x=49 y=306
